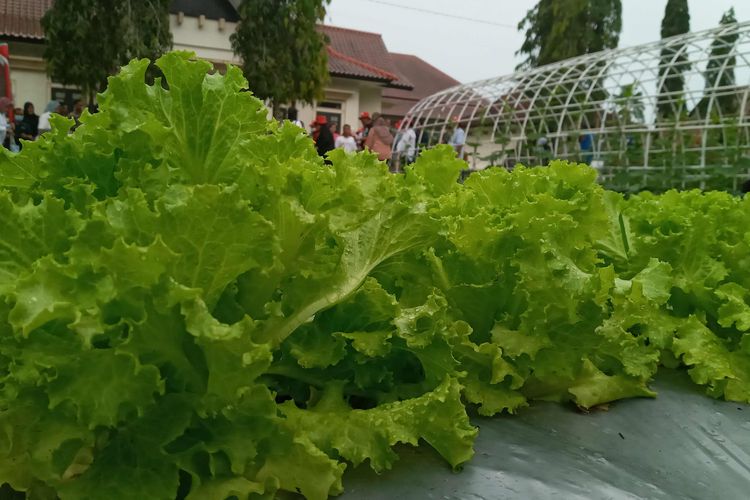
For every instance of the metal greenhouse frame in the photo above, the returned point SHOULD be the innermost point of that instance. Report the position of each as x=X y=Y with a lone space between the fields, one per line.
x=674 y=113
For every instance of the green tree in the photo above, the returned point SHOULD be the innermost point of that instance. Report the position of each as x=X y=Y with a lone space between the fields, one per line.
x=720 y=70
x=673 y=60
x=88 y=40
x=283 y=53
x=630 y=106
x=561 y=29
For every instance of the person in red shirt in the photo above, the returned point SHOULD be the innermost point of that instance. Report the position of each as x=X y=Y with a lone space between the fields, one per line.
x=322 y=135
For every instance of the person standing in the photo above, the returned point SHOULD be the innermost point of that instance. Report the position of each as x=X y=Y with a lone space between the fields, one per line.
x=28 y=127
x=586 y=143
x=361 y=135
x=458 y=139
x=334 y=130
x=379 y=140
x=544 y=151
x=78 y=108
x=291 y=115
x=6 y=126
x=346 y=140
x=323 y=136
x=44 y=123
x=406 y=146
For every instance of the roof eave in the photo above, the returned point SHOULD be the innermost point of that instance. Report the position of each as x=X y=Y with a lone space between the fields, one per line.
x=360 y=77
x=21 y=37
x=400 y=98
x=401 y=86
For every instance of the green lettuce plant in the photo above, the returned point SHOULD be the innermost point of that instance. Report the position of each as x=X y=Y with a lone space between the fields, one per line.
x=193 y=305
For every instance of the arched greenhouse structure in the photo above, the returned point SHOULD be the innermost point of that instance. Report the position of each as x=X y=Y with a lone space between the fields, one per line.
x=674 y=113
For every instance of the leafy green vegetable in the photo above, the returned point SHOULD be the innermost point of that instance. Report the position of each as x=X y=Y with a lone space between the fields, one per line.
x=193 y=305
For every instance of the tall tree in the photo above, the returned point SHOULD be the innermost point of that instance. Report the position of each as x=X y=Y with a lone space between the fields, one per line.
x=283 y=53
x=720 y=70
x=88 y=40
x=561 y=29
x=673 y=59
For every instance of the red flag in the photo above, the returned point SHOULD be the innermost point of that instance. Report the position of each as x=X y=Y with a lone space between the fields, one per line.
x=5 y=88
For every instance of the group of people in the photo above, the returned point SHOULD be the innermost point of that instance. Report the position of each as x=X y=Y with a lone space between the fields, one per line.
x=395 y=145
x=27 y=125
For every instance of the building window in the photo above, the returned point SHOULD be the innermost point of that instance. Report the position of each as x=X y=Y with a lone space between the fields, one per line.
x=334 y=120
x=333 y=112
x=330 y=105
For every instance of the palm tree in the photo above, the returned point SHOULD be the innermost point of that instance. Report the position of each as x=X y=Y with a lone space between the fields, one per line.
x=630 y=107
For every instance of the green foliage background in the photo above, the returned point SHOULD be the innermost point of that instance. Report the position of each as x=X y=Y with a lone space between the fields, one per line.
x=283 y=54
x=561 y=29
x=88 y=40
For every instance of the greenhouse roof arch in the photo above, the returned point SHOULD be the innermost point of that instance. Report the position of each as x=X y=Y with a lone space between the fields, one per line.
x=673 y=113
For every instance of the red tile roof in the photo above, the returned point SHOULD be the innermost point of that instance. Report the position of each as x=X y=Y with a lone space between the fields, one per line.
x=425 y=78
x=360 y=54
x=345 y=65
x=21 y=18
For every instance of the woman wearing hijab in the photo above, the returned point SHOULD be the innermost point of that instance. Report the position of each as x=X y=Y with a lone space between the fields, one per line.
x=380 y=139
x=28 y=128
x=44 y=124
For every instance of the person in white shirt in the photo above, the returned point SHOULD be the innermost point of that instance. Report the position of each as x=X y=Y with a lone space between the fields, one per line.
x=291 y=115
x=346 y=140
x=406 y=147
x=5 y=127
x=458 y=138
x=6 y=124
x=44 y=124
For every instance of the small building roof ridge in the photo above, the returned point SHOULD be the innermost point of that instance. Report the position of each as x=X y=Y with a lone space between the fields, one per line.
x=367 y=66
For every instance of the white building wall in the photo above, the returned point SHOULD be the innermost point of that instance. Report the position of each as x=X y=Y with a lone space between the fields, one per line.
x=30 y=86
x=355 y=96
x=350 y=115
x=208 y=38
x=370 y=99
x=28 y=77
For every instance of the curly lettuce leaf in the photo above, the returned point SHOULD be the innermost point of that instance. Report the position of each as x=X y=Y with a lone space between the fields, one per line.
x=438 y=417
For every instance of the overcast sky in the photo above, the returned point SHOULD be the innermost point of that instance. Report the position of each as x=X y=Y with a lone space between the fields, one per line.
x=484 y=44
